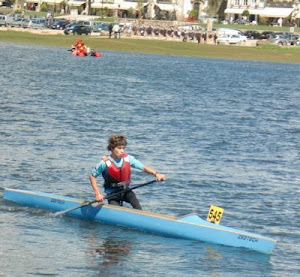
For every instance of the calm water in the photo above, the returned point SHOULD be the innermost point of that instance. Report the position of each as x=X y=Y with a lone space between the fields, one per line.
x=224 y=132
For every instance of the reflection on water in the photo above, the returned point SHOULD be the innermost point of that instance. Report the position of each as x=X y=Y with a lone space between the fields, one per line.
x=212 y=254
x=108 y=251
x=113 y=251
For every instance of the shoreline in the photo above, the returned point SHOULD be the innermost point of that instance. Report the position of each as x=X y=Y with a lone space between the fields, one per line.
x=154 y=45
x=250 y=43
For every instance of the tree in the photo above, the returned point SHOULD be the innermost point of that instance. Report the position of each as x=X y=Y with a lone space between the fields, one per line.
x=44 y=7
x=246 y=13
x=193 y=14
x=141 y=9
x=213 y=7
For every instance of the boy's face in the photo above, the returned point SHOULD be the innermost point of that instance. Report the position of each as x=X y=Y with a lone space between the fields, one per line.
x=118 y=151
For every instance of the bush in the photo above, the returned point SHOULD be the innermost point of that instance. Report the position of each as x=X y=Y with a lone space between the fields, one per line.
x=193 y=14
x=103 y=12
x=246 y=13
x=130 y=13
x=262 y=20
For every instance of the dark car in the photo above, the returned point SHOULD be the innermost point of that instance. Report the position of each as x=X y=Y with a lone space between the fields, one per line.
x=60 y=25
x=79 y=30
x=7 y=4
x=267 y=34
x=295 y=40
x=251 y=34
x=100 y=26
x=2 y=20
x=69 y=28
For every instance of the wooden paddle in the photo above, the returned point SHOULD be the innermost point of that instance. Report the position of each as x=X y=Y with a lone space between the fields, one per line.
x=109 y=196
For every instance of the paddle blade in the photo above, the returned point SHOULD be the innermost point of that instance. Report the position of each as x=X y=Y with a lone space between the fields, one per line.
x=74 y=208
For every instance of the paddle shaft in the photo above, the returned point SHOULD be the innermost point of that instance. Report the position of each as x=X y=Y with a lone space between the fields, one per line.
x=74 y=208
x=112 y=195
x=106 y=197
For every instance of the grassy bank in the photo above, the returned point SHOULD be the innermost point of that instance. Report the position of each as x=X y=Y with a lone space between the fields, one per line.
x=266 y=53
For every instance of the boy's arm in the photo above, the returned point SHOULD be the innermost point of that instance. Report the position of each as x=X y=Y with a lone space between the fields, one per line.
x=158 y=176
x=98 y=196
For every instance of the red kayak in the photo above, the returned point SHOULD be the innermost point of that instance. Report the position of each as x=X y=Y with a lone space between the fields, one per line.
x=80 y=49
x=84 y=54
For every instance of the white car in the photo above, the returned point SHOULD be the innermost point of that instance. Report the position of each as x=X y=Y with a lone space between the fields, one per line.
x=205 y=18
x=37 y=23
x=231 y=39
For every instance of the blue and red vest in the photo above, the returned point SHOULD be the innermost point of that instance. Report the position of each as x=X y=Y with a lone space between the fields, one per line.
x=115 y=175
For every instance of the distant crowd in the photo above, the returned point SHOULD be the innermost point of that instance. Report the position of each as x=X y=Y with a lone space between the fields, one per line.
x=183 y=33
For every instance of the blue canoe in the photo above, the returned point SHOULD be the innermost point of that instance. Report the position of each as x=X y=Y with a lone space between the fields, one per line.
x=187 y=227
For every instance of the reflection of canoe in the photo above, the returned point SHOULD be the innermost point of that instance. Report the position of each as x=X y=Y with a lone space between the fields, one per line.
x=187 y=227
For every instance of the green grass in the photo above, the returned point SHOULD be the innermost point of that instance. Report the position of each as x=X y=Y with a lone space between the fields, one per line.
x=265 y=53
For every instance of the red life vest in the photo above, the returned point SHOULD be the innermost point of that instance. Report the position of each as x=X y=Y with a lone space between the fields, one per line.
x=116 y=174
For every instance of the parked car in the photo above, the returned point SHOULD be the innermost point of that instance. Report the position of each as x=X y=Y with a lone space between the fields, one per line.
x=52 y=21
x=285 y=34
x=80 y=29
x=12 y=21
x=252 y=34
x=100 y=27
x=37 y=23
x=24 y=23
x=2 y=20
x=295 y=40
x=231 y=39
x=227 y=31
x=7 y=4
x=279 y=40
x=85 y=23
x=266 y=34
x=59 y=25
x=68 y=29
x=18 y=22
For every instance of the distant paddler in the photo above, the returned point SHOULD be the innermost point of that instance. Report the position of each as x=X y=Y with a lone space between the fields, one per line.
x=80 y=49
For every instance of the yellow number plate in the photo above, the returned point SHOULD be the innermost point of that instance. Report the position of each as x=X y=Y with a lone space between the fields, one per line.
x=215 y=214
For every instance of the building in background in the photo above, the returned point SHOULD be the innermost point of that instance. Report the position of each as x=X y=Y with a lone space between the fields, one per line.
x=274 y=12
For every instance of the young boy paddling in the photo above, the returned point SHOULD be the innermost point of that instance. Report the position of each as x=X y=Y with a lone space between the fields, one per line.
x=116 y=171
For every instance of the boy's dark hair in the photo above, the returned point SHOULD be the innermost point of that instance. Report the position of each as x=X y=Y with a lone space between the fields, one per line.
x=116 y=140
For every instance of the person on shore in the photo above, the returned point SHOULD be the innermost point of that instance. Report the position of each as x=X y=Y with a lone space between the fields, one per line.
x=116 y=171
x=142 y=30
x=117 y=30
x=215 y=38
x=184 y=36
x=110 y=29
